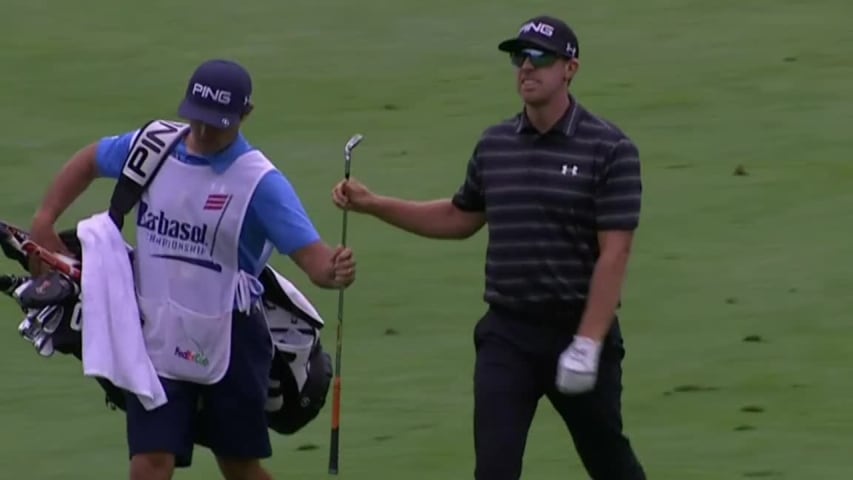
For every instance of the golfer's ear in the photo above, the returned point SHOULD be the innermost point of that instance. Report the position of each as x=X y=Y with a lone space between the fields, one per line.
x=571 y=69
x=572 y=66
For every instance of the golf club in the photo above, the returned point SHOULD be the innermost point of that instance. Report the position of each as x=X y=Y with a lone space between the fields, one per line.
x=334 y=446
x=21 y=240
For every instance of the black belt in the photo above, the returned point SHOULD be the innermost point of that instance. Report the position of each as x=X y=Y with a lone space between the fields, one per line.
x=546 y=312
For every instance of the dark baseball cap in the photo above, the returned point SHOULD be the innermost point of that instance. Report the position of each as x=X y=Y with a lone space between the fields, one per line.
x=218 y=93
x=544 y=33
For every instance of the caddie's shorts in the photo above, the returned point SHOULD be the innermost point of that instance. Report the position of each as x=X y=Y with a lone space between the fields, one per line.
x=228 y=417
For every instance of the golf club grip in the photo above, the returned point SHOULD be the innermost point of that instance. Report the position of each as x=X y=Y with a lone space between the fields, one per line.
x=333 y=459
x=50 y=259
x=334 y=445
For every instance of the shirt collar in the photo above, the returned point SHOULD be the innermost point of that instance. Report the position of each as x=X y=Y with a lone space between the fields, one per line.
x=219 y=161
x=567 y=125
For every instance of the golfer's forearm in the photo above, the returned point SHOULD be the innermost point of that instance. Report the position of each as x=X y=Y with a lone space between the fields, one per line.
x=432 y=219
x=604 y=292
x=76 y=175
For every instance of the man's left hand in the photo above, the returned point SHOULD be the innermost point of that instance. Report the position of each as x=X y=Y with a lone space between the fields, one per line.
x=577 y=368
x=343 y=267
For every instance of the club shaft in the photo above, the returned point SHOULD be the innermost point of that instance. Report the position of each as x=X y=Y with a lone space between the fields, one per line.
x=334 y=444
x=339 y=345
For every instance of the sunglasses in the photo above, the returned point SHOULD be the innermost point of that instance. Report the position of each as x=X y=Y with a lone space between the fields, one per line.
x=538 y=58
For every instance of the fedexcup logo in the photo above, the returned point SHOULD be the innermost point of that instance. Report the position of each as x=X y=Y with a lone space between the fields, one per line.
x=189 y=355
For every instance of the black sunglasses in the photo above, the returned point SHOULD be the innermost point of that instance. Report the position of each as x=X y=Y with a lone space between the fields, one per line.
x=538 y=58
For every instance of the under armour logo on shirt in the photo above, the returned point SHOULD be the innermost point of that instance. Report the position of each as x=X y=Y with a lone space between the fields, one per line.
x=573 y=170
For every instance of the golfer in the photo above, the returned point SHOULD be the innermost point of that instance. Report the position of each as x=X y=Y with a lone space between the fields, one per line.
x=560 y=190
x=226 y=193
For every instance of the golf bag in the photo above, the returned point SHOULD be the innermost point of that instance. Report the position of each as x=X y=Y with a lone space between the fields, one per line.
x=300 y=374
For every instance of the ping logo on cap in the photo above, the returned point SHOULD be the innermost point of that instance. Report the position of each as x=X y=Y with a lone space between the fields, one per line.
x=208 y=93
x=538 y=27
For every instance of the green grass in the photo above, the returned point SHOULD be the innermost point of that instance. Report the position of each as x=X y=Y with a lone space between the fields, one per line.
x=702 y=87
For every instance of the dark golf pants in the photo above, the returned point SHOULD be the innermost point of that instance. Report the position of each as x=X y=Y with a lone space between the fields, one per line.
x=515 y=367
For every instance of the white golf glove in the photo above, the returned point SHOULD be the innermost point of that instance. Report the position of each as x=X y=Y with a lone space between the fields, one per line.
x=578 y=366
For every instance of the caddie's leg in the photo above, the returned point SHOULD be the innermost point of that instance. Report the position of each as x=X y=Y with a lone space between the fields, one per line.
x=241 y=469
x=234 y=420
x=506 y=393
x=152 y=466
x=161 y=439
x=595 y=419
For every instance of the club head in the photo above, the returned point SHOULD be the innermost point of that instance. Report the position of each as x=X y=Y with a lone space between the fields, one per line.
x=24 y=327
x=46 y=314
x=20 y=289
x=44 y=345
x=351 y=144
x=8 y=283
x=52 y=323
x=4 y=230
x=10 y=239
x=30 y=328
x=12 y=232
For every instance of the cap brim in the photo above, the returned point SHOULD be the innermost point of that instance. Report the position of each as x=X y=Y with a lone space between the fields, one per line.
x=207 y=116
x=516 y=44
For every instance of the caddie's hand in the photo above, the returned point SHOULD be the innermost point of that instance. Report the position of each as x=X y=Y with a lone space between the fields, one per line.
x=343 y=266
x=577 y=368
x=43 y=233
x=352 y=195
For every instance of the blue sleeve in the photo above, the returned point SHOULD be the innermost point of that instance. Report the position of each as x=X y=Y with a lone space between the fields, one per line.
x=112 y=152
x=279 y=211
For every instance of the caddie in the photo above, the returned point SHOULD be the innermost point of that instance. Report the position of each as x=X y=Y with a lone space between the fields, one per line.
x=206 y=226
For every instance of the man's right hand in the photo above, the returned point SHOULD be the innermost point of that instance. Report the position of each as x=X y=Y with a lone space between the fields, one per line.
x=43 y=233
x=353 y=195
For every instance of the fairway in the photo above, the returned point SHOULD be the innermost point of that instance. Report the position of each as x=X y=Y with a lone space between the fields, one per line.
x=736 y=308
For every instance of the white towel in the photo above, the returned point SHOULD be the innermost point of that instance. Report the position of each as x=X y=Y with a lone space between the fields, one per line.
x=113 y=344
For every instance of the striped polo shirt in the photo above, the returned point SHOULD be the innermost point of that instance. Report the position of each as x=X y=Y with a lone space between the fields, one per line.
x=545 y=197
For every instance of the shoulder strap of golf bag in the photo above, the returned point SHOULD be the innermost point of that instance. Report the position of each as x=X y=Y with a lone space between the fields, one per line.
x=148 y=152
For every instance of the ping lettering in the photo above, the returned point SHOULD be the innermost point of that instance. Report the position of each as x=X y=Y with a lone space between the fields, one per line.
x=151 y=142
x=538 y=27
x=206 y=92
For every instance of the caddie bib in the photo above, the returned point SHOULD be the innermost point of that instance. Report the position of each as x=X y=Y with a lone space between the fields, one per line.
x=186 y=264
